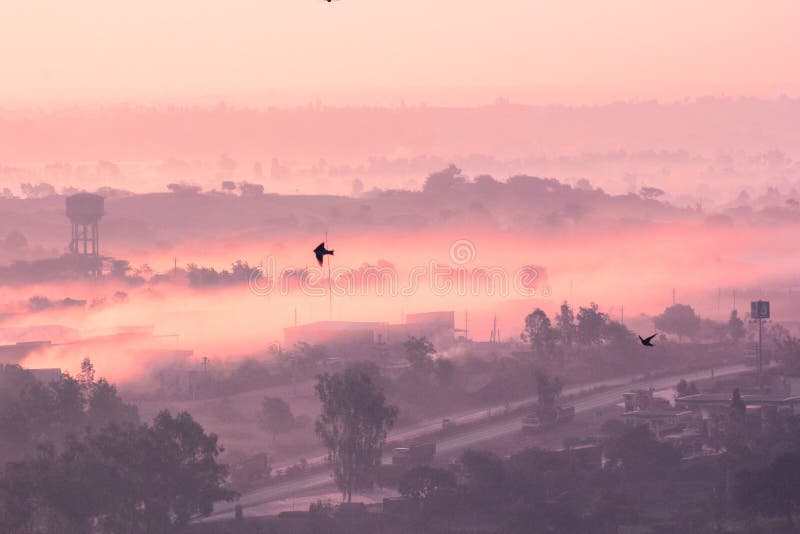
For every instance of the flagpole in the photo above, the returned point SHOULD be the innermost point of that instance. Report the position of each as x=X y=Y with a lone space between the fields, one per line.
x=330 y=293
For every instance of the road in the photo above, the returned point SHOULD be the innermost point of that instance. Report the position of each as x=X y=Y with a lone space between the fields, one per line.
x=585 y=401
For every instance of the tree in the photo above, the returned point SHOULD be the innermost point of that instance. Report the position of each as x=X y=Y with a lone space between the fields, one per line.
x=565 y=324
x=539 y=332
x=486 y=476
x=419 y=353
x=638 y=455
x=591 y=324
x=148 y=478
x=736 y=329
x=684 y=388
x=650 y=192
x=445 y=369
x=423 y=482
x=105 y=406
x=773 y=490
x=616 y=334
x=276 y=416
x=32 y=412
x=444 y=181
x=738 y=407
x=86 y=376
x=353 y=426
x=788 y=353
x=678 y=319
x=548 y=389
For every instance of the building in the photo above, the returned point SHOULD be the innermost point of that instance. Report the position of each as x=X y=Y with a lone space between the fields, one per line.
x=438 y=327
x=716 y=401
x=17 y=352
x=335 y=333
x=642 y=408
x=46 y=375
x=660 y=421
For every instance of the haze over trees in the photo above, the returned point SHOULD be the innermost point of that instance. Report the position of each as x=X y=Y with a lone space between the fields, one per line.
x=31 y=411
x=149 y=478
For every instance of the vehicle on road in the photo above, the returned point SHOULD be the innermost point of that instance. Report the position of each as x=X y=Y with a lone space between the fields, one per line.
x=251 y=473
x=403 y=460
x=414 y=455
x=541 y=420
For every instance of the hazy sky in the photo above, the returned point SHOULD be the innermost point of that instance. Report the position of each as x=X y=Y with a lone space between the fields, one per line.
x=381 y=51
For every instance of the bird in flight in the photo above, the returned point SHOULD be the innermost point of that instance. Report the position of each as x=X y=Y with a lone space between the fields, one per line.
x=320 y=252
x=646 y=341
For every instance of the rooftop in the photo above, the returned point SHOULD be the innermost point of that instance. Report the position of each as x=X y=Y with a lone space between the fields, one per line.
x=748 y=398
x=656 y=414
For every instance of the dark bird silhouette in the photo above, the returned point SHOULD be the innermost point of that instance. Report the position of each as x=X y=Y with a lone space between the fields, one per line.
x=320 y=252
x=646 y=341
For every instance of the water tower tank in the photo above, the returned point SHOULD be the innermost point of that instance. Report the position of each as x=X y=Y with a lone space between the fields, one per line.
x=85 y=208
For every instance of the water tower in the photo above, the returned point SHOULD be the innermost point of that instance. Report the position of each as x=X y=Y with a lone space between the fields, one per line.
x=85 y=211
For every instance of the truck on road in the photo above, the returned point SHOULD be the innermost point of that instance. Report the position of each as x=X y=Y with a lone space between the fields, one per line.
x=404 y=459
x=541 y=420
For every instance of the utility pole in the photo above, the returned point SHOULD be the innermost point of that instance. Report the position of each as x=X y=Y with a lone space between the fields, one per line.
x=622 y=314
x=673 y=296
x=760 y=358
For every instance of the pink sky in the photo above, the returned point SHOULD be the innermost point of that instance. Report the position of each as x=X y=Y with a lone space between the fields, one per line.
x=263 y=52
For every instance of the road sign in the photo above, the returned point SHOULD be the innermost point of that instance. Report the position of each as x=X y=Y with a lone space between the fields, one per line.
x=759 y=309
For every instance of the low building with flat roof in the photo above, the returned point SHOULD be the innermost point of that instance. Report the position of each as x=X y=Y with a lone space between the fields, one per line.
x=724 y=399
x=660 y=421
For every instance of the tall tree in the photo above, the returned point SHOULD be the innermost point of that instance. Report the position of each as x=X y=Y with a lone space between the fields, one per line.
x=539 y=332
x=353 y=426
x=86 y=376
x=565 y=324
x=591 y=324
x=736 y=329
x=276 y=416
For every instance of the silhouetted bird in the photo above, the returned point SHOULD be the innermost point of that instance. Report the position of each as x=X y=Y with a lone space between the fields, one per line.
x=320 y=252
x=646 y=341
